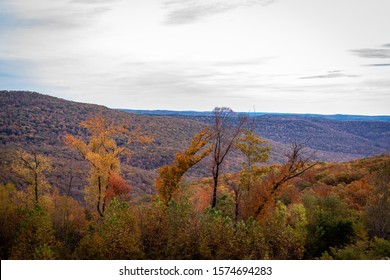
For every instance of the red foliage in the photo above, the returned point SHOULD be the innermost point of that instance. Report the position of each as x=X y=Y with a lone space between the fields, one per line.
x=118 y=187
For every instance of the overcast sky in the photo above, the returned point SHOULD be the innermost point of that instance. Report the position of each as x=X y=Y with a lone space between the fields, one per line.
x=299 y=56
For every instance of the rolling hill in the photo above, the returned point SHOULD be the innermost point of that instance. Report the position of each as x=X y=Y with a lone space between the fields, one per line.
x=33 y=121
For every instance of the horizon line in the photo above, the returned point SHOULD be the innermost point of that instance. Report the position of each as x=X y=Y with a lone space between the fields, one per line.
x=206 y=111
x=249 y=113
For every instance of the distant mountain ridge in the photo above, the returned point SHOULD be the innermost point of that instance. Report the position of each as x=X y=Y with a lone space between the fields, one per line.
x=337 y=117
x=330 y=137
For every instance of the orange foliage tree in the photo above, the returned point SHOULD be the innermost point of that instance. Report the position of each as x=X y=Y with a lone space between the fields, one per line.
x=169 y=176
x=296 y=165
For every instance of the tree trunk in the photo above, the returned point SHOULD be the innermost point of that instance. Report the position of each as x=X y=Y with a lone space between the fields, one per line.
x=99 y=197
x=36 y=188
x=215 y=176
x=104 y=200
x=237 y=209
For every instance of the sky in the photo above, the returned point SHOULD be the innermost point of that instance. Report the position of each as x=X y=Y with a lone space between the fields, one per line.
x=287 y=56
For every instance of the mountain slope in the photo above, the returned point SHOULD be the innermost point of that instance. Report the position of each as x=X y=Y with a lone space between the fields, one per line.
x=33 y=121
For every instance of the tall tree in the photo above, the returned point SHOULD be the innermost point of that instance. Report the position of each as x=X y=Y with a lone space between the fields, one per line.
x=169 y=176
x=32 y=168
x=227 y=127
x=102 y=152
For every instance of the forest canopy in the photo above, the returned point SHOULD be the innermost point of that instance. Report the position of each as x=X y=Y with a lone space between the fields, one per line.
x=81 y=181
x=302 y=209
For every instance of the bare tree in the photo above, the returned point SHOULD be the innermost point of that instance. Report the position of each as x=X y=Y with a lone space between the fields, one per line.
x=227 y=127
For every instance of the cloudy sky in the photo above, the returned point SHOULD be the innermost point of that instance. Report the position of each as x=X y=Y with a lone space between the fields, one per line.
x=299 y=56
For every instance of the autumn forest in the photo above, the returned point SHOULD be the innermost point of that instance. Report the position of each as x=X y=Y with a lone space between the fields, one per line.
x=81 y=181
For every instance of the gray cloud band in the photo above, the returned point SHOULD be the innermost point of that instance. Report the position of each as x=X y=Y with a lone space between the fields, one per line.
x=189 y=11
x=383 y=52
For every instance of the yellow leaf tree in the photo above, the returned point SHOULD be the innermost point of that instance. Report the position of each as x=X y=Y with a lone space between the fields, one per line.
x=255 y=151
x=102 y=151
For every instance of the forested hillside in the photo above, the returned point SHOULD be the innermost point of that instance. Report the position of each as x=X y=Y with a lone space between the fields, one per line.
x=81 y=181
x=331 y=140
x=32 y=121
x=39 y=122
